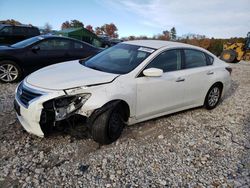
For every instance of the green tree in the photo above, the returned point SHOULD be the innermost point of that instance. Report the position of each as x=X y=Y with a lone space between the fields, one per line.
x=173 y=34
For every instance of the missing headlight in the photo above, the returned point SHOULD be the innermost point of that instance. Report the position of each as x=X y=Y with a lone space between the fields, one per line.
x=65 y=101
x=67 y=105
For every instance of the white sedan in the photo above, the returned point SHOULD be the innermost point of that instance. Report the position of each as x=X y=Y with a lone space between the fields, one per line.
x=128 y=83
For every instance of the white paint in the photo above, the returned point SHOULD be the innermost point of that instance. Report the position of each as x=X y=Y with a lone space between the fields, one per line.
x=147 y=97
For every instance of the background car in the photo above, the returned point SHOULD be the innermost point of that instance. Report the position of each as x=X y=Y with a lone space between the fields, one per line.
x=115 y=41
x=11 y=34
x=105 y=41
x=31 y=54
x=108 y=42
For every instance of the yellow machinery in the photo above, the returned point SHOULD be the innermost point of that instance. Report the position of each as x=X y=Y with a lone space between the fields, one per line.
x=234 y=52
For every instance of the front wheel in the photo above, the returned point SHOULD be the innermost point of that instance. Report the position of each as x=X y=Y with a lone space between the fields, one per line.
x=108 y=125
x=213 y=97
x=9 y=71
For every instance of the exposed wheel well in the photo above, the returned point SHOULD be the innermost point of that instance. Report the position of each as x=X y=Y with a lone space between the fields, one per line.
x=220 y=84
x=9 y=59
x=13 y=60
x=123 y=105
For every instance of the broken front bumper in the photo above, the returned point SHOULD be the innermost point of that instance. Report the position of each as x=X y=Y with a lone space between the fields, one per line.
x=30 y=111
x=38 y=111
x=29 y=118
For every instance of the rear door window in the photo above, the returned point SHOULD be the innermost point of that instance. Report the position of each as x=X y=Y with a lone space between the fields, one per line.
x=55 y=44
x=78 y=45
x=19 y=31
x=194 y=58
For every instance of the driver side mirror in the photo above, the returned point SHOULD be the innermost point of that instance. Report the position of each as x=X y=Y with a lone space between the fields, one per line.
x=153 y=72
x=35 y=49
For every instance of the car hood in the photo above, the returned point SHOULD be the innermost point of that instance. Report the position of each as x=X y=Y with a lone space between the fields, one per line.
x=68 y=75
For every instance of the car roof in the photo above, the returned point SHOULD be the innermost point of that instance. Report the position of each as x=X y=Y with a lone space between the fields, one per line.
x=28 y=26
x=46 y=36
x=157 y=44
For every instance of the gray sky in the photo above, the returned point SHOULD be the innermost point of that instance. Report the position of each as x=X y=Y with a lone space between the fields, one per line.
x=213 y=18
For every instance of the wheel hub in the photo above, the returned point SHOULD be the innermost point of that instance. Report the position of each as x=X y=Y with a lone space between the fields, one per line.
x=8 y=72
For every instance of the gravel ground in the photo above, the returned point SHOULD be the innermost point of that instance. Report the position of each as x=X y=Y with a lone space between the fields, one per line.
x=195 y=148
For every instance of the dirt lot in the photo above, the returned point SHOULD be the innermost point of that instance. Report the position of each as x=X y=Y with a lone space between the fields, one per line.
x=195 y=148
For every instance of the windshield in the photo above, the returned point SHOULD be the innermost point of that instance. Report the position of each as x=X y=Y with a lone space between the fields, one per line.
x=26 y=42
x=119 y=59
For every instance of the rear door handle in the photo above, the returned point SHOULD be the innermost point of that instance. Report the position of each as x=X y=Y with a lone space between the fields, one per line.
x=180 y=79
x=210 y=72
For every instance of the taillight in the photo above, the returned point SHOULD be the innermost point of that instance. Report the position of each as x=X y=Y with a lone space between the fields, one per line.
x=229 y=69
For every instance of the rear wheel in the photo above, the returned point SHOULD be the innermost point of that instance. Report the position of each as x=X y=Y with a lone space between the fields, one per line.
x=107 y=127
x=9 y=71
x=229 y=56
x=213 y=97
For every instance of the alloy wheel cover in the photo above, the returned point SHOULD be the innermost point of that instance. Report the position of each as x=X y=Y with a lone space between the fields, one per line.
x=8 y=72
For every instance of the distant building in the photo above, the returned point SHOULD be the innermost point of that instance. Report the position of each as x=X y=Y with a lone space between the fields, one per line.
x=81 y=34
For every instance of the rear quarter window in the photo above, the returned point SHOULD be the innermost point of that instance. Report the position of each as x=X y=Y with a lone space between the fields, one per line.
x=33 y=31
x=78 y=45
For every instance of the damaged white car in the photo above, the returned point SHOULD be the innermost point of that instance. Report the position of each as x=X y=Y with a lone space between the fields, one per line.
x=128 y=83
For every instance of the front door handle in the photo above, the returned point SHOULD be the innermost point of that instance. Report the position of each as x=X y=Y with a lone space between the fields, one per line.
x=180 y=79
x=210 y=72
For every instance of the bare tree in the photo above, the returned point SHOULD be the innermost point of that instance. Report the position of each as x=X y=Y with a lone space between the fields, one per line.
x=47 y=28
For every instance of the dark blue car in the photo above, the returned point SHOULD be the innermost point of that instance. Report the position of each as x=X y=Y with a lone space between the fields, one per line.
x=24 y=57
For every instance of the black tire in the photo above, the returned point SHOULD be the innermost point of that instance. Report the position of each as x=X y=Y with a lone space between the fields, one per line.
x=228 y=56
x=211 y=101
x=108 y=123
x=9 y=78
